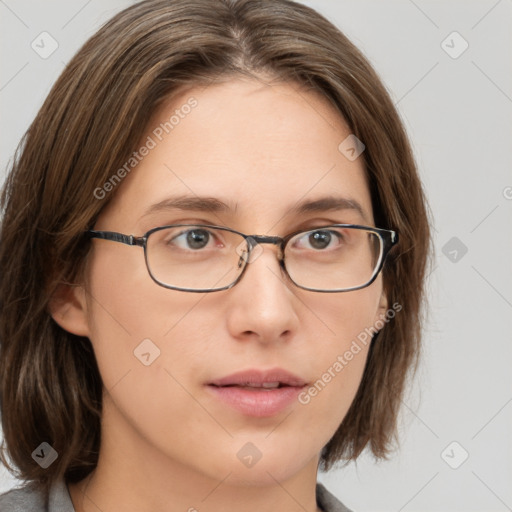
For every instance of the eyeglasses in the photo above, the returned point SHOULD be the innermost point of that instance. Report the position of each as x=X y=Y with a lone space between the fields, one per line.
x=204 y=258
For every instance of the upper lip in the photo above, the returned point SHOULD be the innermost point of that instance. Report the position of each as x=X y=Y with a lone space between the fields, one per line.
x=257 y=377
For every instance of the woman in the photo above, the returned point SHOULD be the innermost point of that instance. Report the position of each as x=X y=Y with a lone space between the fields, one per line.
x=213 y=251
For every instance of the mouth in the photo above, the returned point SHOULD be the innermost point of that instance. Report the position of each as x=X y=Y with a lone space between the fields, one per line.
x=258 y=393
x=254 y=387
x=255 y=378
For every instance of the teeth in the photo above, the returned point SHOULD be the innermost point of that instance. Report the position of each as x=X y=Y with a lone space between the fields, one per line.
x=266 y=385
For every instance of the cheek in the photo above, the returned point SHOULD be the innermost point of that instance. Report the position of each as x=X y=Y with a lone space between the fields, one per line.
x=340 y=354
x=343 y=317
x=149 y=343
x=133 y=320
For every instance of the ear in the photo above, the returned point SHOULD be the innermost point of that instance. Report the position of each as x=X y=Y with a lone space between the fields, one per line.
x=382 y=307
x=68 y=308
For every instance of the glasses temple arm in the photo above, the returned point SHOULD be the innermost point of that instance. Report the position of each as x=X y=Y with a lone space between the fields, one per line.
x=116 y=237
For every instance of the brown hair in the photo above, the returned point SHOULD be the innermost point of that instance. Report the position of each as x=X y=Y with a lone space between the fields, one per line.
x=91 y=122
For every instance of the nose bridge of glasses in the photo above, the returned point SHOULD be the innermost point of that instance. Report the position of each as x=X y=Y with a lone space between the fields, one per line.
x=253 y=240
x=253 y=243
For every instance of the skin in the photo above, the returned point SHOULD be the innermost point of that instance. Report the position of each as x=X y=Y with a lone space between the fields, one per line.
x=168 y=444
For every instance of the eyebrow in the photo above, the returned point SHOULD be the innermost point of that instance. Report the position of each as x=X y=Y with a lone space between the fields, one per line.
x=212 y=204
x=188 y=203
x=330 y=204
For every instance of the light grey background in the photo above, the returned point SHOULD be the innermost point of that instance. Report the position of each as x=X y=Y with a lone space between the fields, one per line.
x=458 y=112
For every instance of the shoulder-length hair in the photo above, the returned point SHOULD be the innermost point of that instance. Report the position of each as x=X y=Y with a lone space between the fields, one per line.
x=90 y=124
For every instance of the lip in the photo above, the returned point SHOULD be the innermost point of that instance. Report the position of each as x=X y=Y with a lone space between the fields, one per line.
x=256 y=400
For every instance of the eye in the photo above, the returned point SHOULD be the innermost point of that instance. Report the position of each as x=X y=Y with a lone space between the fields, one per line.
x=319 y=240
x=194 y=239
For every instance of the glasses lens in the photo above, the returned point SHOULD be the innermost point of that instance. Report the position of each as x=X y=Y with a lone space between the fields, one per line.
x=333 y=258
x=195 y=257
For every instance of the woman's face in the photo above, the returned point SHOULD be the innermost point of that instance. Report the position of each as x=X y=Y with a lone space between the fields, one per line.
x=260 y=152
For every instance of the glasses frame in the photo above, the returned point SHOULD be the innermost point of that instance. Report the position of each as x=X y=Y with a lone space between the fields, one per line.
x=389 y=238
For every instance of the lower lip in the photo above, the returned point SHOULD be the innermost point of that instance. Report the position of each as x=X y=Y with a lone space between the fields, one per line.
x=260 y=402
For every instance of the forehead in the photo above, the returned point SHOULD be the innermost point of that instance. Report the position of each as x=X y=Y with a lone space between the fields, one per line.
x=259 y=148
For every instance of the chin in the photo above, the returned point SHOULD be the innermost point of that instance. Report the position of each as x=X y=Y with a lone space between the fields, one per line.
x=260 y=464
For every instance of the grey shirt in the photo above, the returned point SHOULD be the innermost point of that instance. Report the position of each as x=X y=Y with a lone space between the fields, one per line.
x=26 y=499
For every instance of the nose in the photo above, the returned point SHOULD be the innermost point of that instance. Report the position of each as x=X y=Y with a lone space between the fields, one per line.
x=262 y=305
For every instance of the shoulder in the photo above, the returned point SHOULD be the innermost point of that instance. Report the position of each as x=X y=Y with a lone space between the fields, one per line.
x=29 y=499
x=328 y=502
x=24 y=499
